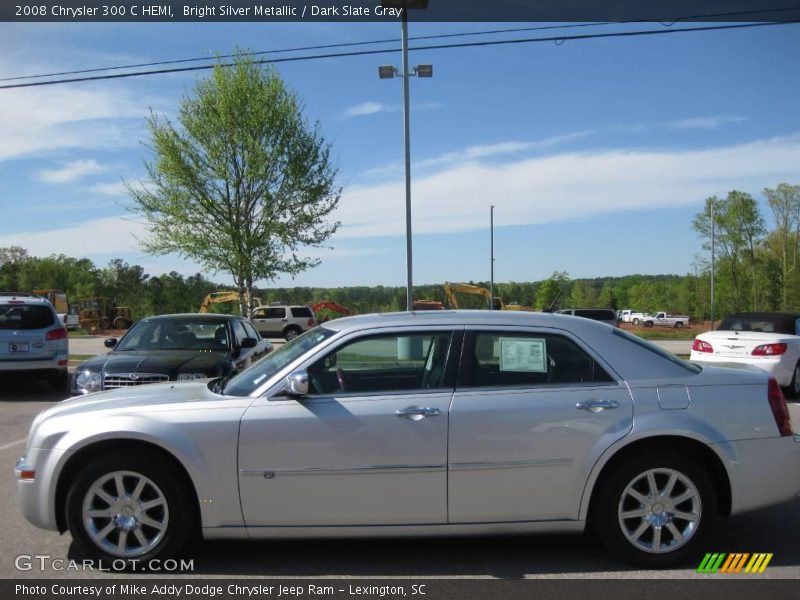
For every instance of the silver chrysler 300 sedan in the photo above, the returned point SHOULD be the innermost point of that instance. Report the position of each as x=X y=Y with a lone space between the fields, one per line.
x=420 y=424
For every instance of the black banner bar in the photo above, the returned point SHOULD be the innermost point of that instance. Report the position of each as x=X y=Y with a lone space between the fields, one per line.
x=730 y=588
x=665 y=11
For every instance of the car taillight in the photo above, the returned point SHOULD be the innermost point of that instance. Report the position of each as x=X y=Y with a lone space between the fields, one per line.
x=312 y=322
x=779 y=409
x=57 y=334
x=701 y=346
x=769 y=350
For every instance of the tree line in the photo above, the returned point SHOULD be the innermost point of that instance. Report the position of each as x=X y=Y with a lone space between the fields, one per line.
x=756 y=269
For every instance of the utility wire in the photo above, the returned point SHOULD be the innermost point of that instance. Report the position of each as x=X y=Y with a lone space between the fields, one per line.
x=397 y=40
x=557 y=39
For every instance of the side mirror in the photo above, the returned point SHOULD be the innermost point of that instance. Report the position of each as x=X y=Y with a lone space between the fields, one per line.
x=249 y=342
x=298 y=383
x=110 y=342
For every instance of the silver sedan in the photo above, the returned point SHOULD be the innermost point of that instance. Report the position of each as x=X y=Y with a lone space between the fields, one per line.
x=409 y=424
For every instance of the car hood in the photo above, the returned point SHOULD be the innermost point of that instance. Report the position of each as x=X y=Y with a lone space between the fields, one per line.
x=158 y=361
x=156 y=394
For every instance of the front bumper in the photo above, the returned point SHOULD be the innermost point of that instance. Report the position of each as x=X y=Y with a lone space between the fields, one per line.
x=37 y=496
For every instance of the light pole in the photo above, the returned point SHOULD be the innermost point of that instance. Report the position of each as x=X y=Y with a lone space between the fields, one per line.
x=491 y=257
x=389 y=72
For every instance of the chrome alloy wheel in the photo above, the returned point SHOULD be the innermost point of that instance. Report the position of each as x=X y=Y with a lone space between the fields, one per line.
x=125 y=514
x=659 y=511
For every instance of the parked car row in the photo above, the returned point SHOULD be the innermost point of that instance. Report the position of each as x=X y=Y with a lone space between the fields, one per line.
x=430 y=423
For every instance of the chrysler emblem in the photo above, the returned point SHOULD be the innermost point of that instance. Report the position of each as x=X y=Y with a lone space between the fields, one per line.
x=733 y=347
x=134 y=376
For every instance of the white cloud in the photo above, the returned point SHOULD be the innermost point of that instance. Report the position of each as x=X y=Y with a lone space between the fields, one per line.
x=365 y=108
x=704 y=122
x=111 y=235
x=71 y=171
x=372 y=108
x=116 y=188
x=478 y=152
x=59 y=117
x=565 y=186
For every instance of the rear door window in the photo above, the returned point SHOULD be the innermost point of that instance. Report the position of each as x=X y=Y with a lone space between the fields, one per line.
x=499 y=359
x=302 y=311
x=25 y=316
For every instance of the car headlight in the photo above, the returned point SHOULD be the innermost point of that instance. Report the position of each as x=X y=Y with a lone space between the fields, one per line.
x=192 y=376
x=87 y=382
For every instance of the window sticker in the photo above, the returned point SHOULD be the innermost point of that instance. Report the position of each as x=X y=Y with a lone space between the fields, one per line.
x=523 y=354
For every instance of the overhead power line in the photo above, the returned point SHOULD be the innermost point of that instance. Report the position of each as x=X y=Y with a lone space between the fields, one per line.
x=556 y=39
x=397 y=40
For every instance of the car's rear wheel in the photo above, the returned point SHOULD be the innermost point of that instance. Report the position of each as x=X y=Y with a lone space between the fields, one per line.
x=655 y=510
x=635 y=321
x=678 y=324
x=290 y=333
x=123 y=508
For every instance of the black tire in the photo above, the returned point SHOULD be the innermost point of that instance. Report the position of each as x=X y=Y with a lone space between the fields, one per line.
x=105 y=323
x=678 y=324
x=648 y=323
x=121 y=323
x=180 y=509
x=59 y=381
x=611 y=500
x=793 y=389
x=290 y=333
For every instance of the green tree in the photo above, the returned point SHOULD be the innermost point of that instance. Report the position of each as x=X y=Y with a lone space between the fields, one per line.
x=548 y=291
x=784 y=201
x=245 y=185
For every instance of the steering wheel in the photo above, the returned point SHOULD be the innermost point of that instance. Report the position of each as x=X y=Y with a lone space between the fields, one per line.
x=340 y=377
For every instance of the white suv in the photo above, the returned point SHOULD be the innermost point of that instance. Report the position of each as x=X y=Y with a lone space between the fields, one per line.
x=32 y=338
x=283 y=321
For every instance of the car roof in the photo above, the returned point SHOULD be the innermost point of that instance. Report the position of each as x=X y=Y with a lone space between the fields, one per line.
x=193 y=317
x=463 y=317
x=23 y=298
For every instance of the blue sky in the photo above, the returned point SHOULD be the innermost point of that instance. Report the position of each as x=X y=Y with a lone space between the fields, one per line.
x=596 y=154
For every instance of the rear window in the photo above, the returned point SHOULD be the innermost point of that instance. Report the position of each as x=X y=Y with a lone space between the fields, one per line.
x=25 y=316
x=302 y=311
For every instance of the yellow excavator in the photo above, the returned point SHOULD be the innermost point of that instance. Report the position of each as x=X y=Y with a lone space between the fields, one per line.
x=451 y=289
x=218 y=297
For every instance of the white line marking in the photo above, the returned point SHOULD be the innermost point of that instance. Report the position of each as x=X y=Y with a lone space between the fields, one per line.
x=12 y=444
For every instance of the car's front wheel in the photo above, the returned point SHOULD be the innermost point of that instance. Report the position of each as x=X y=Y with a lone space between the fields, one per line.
x=655 y=510
x=125 y=507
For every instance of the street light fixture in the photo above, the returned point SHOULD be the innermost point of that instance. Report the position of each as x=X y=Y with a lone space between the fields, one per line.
x=389 y=72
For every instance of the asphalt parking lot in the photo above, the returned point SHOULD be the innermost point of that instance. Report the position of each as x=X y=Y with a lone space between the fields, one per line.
x=775 y=530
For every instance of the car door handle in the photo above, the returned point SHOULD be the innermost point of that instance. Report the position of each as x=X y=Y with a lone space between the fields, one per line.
x=596 y=406
x=415 y=413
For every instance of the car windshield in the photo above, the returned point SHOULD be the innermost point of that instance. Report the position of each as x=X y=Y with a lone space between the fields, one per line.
x=203 y=335
x=249 y=380
x=25 y=316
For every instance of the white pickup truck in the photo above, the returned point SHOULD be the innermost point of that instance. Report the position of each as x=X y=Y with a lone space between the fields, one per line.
x=665 y=320
x=631 y=316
